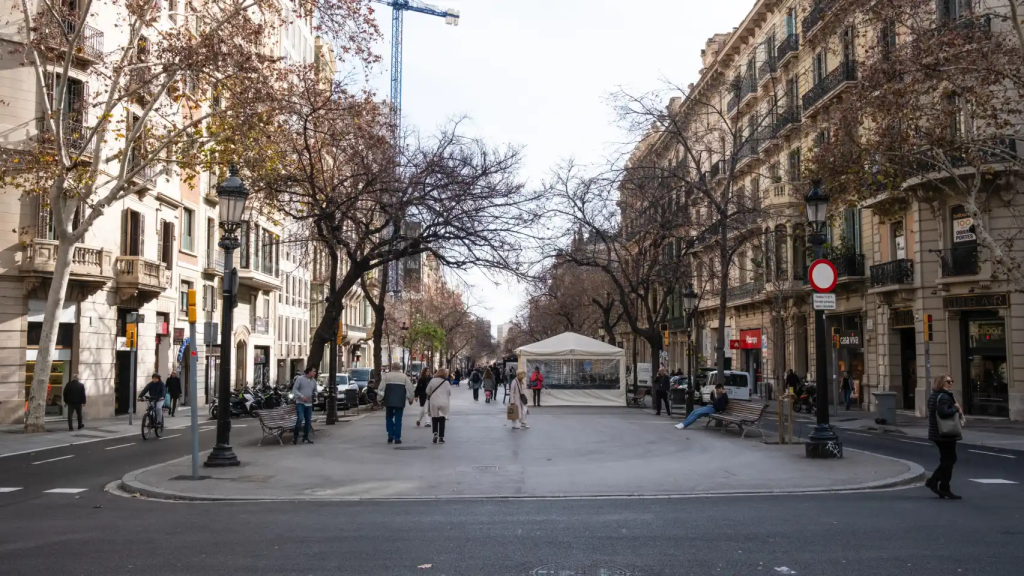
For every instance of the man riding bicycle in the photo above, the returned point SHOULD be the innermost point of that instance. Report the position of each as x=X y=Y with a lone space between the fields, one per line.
x=155 y=391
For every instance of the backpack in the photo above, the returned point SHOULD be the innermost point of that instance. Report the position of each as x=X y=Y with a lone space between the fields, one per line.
x=475 y=378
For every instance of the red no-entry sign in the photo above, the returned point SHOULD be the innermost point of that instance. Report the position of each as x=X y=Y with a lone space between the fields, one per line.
x=822 y=275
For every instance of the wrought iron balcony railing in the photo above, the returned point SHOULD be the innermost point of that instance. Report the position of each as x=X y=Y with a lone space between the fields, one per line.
x=787 y=118
x=766 y=69
x=816 y=15
x=845 y=72
x=732 y=105
x=847 y=262
x=57 y=31
x=789 y=46
x=895 y=272
x=959 y=261
x=748 y=86
x=744 y=291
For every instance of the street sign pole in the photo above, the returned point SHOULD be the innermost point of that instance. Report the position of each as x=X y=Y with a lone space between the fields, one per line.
x=193 y=391
x=822 y=441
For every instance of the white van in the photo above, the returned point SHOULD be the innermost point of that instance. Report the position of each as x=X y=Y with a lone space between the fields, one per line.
x=737 y=385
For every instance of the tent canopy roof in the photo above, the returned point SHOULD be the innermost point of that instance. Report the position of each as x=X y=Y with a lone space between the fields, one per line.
x=569 y=344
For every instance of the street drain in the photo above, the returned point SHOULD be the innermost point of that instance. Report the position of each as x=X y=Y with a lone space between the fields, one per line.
x=409 y=447
x=580 y=569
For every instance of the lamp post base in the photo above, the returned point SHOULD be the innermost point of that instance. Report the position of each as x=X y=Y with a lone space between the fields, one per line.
x=222 y=456
x=823 y=443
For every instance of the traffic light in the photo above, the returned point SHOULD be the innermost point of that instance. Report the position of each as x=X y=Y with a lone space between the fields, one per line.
x=131 y=336
x=341 y=332
x=928 y=328
x=835 y=338
x=191 y=306
x=665 y=335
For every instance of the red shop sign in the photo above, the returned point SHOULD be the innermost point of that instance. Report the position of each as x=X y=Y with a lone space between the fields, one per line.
x=734 y=344
x=750 y=339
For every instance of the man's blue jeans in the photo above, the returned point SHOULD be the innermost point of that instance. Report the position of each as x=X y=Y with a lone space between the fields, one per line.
x=692 y=417
x=303 y=416
x=393 y=422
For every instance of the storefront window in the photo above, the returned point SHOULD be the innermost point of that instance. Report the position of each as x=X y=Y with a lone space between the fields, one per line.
x=54 y=390
x=985 y=388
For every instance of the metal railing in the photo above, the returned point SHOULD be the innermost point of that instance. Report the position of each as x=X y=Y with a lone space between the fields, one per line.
x=788 y=117
x=959 y=261
x=789 y=45
x=58 y=30
x=845 y=72
x=816 y=15
x=74 y=134
x=748 y=149
x=895 y=272
x=744 y=291
x=766 y=69
x=733 y=104
x=748 y=86
x=214 y=260
x=847 y=262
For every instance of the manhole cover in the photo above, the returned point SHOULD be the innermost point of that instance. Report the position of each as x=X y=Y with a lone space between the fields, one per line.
x=485 y=468
x=409 y=447
x=580 y=569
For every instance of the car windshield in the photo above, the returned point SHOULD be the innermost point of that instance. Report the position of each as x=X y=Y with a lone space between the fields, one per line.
x=361 y=375
x=341 y=380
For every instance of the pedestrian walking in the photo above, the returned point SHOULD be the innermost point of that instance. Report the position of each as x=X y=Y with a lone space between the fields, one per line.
x=439 y=393
x=174 y=390
x=846 y=387
x=536 y=384
x=488 y=384
x=457 y=377
x=792 y=382
x=74 y=397
x=421 y=393
x=518 y=404
x=661 y=387
x=399 y=391
x=945 y=420
x=304 y=389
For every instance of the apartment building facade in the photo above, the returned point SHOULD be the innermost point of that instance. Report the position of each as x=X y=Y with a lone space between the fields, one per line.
x=141 y=256
x=901 y=257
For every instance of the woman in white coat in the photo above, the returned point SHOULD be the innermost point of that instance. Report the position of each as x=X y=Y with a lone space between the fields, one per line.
x=439 y=393
x=516 y=395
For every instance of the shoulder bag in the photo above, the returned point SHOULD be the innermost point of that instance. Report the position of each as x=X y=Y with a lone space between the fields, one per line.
x=522 y=397
x=951 y=427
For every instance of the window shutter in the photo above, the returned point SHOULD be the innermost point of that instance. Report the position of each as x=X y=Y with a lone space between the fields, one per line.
x=160 y=254
x=142 y=235
x=173 y=242
x=941 y=10
x=125 y=219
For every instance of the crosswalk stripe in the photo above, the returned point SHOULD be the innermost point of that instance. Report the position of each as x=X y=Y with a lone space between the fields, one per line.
x=65 y=491
x=992 y=481
x=4 y=490
x=991 y=453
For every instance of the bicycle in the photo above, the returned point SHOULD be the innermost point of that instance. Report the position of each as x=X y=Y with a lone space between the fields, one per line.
x=151 y=422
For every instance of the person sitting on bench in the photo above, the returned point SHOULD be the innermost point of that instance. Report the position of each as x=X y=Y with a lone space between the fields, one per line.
x=719 y=402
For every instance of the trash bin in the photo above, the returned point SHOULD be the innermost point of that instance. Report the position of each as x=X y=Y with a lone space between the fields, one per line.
x=678 y=396
x=885 y=408
x=351 y=398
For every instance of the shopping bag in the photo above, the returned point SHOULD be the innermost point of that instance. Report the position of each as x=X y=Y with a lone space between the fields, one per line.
x=513 y=412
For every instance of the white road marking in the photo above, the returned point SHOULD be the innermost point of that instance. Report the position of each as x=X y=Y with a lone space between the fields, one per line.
x=121 y=446
x=239 y=425
x=992 y=481
x=857 y=433
x=65 y=491
x=171 y=436
x=912 y=442
x=54 y=459
x=991 y=453
x=205 y=429
x=5 y=490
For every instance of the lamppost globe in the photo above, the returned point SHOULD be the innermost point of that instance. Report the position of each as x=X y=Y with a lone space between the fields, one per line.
x=816 y=202
x=689 y=299
x=232 y=193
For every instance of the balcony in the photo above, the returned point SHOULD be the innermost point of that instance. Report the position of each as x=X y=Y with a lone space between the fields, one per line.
x=893 y=273
x=141 y=82
x=839 y=77
x=261 y=325
x=961 y=261
x=89 y=264
x=732 y=105
x=213 y=262
x=786 y=120
x=140 y=278
x=765 y=70
x=748 y=150
x=748 y=87
x=971 y=153
x=819 y=11
x=848 y=263
x=788 y=47
x=744 y=291
x=717 y=170
x=256 y=273
x=74 y=134
x=146 y=173
x=56 y=31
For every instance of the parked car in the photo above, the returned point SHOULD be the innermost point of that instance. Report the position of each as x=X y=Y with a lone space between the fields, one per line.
x=701 y=379
x=737 y=386
x=343 y=384
x=361 y=378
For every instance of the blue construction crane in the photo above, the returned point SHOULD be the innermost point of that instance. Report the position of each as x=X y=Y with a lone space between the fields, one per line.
x=398 y=9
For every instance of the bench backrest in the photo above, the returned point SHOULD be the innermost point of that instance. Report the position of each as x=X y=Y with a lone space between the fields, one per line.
x=277 y=415
x=745 y=409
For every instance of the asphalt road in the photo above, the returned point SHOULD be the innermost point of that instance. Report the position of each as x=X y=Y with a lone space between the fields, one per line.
x=905 y=532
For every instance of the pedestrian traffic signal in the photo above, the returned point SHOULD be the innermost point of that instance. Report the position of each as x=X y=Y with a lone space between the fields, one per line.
x=341 y=332
x=192 y=306
x=131 y=336
x=835 y=338
x=928 y=328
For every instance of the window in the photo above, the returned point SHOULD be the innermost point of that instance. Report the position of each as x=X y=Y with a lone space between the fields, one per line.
x=183 y=295
x=792 y=92
x=211 y=241
x=188 y=229
x=65 y=334
x=819 y=66
x=822 y=138
x=887 y=39
x=851 y=229
x=165 y=248
x=791 y=21
x=953 y=10
x=847 y=43
x=957 y=119
x=794 y=165
x=899 y=240
x=132 y=233
x=75 y=100
x=172 y=10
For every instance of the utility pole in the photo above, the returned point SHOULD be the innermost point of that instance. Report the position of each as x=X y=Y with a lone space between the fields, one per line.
x=192 y=385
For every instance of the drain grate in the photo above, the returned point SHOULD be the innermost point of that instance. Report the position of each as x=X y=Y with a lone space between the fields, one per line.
x=581 y=569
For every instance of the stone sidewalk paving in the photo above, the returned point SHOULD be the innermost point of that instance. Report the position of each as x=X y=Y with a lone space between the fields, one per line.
x=567 y=452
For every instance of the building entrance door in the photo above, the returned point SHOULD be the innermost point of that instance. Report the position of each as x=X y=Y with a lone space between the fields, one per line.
x=908 y=367
x=122 y=382
x=985 y=381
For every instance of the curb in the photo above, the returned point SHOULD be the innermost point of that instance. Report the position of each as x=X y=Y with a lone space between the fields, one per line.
x=129 y=485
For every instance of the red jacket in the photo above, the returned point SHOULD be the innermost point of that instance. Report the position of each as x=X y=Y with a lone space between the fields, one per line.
x=536 y=381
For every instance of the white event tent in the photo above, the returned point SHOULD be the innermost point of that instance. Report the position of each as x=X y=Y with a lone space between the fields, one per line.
x=578 y=371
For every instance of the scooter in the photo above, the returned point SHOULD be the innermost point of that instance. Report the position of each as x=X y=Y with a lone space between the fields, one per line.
x=806 y=399
x=240 y=404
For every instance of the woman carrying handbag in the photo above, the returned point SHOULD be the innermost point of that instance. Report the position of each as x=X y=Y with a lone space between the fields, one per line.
x=518 y=402
x=945 y=422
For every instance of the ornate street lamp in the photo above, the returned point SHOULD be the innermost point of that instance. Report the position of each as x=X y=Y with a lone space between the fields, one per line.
x=405 y=351
x=690 y=308
x=822 y=442
x=232 y=194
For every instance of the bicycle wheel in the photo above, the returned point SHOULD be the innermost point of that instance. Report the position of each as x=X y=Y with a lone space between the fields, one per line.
x=146 y=424
x=158 y=428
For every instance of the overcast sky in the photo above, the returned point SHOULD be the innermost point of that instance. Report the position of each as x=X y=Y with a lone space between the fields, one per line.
x=539 y=72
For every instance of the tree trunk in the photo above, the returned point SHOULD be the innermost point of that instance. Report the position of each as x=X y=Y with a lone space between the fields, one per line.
x=332 y=362
x=1010 y=266
x=35 y=419
x=723 y=301
x=378 y=327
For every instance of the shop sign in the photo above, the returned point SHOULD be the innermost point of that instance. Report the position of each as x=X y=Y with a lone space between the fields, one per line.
x=179 y=335
x=969 y=301
x=963 y=226
x=734 y=344
x=849 y=339
x=823 y=301
x=750 y=339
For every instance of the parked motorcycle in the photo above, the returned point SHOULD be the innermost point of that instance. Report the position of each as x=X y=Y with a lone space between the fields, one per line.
x=806 y=400
x=241 y=404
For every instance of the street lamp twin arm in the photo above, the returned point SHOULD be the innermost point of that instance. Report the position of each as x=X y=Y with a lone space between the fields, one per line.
x=232 y=194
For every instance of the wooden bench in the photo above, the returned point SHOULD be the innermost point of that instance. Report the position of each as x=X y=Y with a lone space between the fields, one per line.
x=276 y=421
x=740 y=414
x=638 y=398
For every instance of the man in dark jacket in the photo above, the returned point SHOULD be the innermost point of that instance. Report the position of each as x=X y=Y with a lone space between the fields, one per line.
x=661 y=385
x=174 y=389
x=155 y=390
x=719 y=403
x=399 y=391
x=793 y=382
x=74 y=397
